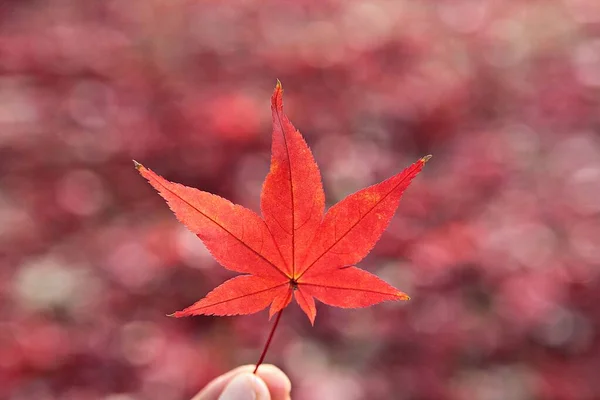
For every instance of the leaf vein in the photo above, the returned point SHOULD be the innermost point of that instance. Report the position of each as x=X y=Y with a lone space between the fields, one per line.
x=238 y=297
x=344 y=288
x=225 y=229
x=289 y=161
x=336 y=241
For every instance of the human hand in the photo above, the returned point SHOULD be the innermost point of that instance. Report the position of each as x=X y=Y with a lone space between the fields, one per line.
x=269 y=383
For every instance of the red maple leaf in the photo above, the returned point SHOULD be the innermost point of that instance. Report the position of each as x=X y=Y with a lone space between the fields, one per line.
x=294 y=249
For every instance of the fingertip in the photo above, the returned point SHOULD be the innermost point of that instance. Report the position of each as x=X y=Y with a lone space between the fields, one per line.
x=277 y=381
x=261 y=389
x=245 y=386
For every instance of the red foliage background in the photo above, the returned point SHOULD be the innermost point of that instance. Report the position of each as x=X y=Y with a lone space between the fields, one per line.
x=497 y=241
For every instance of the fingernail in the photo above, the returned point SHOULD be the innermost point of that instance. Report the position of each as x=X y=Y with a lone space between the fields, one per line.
x=241 y=387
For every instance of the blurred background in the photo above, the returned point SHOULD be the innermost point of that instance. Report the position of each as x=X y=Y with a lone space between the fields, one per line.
x=497 y=241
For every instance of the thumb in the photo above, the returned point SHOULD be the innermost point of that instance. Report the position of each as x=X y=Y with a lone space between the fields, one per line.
x=245 y=386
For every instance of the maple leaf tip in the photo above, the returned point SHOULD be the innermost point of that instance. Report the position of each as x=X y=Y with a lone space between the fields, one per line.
x=277 y=98
x=137 y=165
x=402 y=296
x=426 y=158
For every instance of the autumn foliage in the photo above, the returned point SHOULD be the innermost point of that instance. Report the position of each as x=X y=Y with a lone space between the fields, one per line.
x=295 y=249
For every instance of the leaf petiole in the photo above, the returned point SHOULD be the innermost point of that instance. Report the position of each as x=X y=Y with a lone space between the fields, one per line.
x=264 y=352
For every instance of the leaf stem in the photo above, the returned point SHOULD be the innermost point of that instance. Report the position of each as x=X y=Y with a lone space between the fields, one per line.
x=264 y=352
